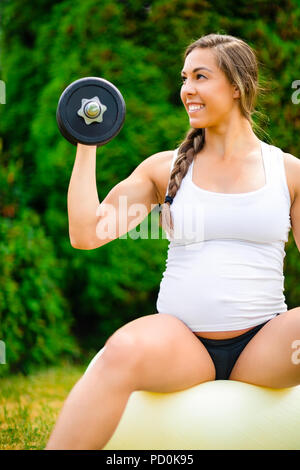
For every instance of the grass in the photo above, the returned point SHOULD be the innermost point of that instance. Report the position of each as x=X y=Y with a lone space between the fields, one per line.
x=29 y=406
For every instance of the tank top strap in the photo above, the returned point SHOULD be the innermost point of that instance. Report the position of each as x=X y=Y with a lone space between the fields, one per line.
x=277 y=170
x=175 y=154
x=266 y=155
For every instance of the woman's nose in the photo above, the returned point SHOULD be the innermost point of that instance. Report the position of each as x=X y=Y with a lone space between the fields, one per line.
x=188 y=87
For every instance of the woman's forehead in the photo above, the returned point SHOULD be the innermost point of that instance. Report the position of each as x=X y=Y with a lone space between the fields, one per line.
x=200 y=58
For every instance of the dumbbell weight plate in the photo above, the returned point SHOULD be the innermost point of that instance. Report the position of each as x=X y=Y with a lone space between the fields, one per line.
x=90 y=111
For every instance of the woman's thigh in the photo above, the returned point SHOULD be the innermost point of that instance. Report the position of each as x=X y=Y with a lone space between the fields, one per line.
x=271 y=358
x=161 y=352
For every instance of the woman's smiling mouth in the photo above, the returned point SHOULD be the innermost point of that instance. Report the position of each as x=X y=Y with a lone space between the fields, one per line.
x=193 y=107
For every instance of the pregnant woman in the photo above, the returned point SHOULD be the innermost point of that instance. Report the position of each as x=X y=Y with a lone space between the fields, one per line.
x=228 y=201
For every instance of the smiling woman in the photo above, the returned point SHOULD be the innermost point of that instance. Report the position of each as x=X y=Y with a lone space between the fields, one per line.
x=224 y=97
x=221 y=311
x=233 y=280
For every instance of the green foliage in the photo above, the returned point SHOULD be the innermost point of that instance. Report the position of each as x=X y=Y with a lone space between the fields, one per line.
x=138 y=45
x=35 y=318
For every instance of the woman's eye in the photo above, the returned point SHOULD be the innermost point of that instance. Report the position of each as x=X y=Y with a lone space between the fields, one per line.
x=183 y=79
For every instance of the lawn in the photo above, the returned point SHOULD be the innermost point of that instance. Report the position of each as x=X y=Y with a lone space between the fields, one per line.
x=29 y=406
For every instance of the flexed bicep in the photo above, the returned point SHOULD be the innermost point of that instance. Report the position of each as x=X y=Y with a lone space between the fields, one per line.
x=126 y=206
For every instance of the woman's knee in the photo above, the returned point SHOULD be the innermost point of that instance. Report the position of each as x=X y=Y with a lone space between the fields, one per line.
x=122 y=353
x=130 y=346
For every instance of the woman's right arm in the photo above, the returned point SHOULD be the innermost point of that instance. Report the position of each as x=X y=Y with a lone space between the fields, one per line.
x=92 y=224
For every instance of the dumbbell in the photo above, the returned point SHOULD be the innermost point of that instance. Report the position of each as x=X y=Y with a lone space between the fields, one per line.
x=90 y=111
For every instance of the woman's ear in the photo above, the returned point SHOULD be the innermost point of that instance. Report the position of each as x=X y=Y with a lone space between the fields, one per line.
x=236 y=92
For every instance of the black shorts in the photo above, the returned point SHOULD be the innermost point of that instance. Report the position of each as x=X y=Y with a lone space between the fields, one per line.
x=225 y=352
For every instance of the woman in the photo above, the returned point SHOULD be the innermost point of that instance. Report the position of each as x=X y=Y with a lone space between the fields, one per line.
x=221 y=310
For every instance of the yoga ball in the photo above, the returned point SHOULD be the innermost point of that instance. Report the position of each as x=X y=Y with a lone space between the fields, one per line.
x=216 y=415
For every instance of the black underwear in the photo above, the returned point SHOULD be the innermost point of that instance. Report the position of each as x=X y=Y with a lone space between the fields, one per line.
x=225 y=352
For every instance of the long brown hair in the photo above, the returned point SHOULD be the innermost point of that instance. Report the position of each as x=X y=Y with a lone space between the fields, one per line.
x=239 y=63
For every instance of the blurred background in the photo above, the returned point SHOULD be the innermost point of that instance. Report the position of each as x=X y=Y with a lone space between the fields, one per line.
x=58 y=303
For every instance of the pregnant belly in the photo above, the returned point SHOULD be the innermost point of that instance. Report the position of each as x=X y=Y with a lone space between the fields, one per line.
x=220 y=293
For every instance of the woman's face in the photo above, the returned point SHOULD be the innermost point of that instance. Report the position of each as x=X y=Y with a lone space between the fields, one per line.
x=206 y=93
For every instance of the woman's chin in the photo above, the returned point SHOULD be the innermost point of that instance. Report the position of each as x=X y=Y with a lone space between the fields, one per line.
x=197 y=123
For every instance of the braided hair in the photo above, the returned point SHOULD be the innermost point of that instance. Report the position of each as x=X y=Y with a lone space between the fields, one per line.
x=192 y=144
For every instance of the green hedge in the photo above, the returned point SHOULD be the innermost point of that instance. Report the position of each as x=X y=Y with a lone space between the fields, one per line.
x=138 y=45
x=35 y=318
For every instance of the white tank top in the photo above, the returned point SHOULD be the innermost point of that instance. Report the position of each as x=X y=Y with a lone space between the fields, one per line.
x=224 y=268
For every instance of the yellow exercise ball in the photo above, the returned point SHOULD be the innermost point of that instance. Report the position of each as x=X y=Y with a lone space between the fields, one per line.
x=222 y=414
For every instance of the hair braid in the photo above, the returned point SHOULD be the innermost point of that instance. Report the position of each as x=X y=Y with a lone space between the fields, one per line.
x=192 y=144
